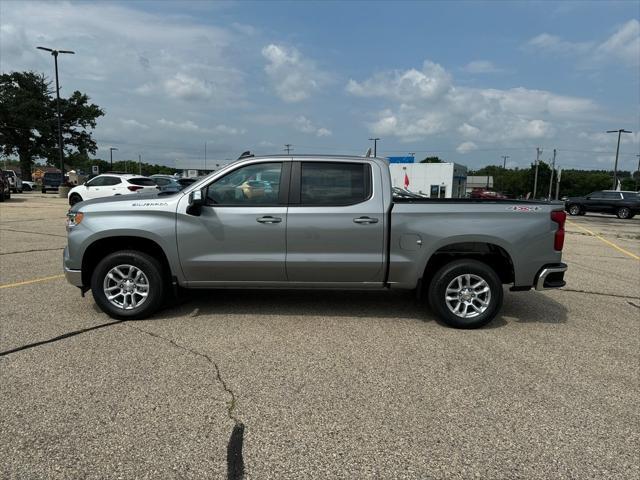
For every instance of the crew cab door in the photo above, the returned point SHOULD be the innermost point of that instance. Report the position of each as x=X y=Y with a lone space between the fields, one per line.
x=240 y=233
x=335 y=223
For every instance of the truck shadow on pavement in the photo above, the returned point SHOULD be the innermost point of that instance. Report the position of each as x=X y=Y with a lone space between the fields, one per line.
x=529 y=307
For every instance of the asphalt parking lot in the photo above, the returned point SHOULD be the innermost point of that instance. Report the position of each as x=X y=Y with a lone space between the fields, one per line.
x=326 y=384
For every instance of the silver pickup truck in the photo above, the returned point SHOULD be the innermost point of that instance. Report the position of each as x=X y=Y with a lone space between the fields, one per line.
x=312 y=222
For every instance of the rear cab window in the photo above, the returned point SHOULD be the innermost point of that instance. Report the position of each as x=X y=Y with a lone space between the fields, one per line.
x=334 y=183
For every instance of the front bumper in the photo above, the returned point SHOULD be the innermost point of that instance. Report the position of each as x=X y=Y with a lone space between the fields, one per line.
x=551 y=276
x=74 y=277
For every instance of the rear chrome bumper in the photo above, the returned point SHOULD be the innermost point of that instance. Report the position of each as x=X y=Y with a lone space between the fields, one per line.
x=551 y=276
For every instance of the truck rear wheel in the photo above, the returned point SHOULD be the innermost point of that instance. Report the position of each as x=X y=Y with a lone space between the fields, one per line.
x=128 y=285
x=466 y=294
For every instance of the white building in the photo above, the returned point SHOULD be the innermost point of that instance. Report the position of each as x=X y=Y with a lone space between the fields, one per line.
x=437 y=180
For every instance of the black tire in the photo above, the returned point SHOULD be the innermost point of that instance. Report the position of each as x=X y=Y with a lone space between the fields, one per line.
x=623 y=213
x=156 y=284
x=44 y=190
x=26 y=188
x=574 y=210
x=437 y=293
x=74 y=198
x=1 y=195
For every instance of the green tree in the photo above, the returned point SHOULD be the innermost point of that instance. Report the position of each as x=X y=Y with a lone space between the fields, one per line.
x=28 y=124
x=431 y=160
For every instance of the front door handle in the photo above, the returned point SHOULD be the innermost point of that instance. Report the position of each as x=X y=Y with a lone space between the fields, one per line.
x=268 y=219
x=365 y=220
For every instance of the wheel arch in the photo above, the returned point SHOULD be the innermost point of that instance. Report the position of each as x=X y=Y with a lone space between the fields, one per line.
x=492 y=254
x=102 y=247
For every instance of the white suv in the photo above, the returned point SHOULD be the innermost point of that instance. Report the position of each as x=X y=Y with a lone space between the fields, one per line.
x=111 y=184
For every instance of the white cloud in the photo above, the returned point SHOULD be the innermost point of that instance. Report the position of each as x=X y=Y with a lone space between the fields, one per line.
x=304 y=125
x=555 y=44
x=426 y=103
x=187 y=87
x=623 y=47
x=186 y=125
x=481 y=66
x=190 y=126
x=466 y=147
x=430 y=82
x=131 y=123
x=293 y=77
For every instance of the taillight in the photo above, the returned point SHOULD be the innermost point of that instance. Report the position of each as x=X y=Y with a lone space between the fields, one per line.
x=134 y=188
x=559 y=216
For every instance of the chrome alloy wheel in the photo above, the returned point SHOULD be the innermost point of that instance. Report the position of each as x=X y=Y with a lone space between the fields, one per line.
x=126 y=287
x=468 y=295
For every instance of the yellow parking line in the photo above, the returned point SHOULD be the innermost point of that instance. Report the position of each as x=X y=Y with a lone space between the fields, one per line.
x=626 y=252
x=27 y=282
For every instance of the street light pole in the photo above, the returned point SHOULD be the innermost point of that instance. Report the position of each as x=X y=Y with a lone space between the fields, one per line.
x=375 y=146
x=615 y=167
x=553 y=167
x=111 y=149
x=535 y=178
x=55 y=53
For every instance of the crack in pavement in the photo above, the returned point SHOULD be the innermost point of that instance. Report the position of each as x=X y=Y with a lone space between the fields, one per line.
x=613 y=295
x=31 y=251
x=34 y=233
x=235 y=459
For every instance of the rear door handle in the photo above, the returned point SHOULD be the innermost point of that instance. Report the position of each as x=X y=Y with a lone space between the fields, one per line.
x=268 y=219
x=365 y=220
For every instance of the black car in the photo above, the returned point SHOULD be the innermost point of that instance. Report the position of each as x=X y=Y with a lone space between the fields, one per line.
x=51 y=181
x=5 y=187
x=623 y=204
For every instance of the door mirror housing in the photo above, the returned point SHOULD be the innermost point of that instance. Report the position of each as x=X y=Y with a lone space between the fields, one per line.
x=196 y=201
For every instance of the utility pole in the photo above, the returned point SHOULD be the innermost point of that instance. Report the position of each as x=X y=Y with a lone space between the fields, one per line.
x=287 y=148
x=205 y=155
x=375 y=146
x=55 y=53
x=558 y=181
x=111 y=149
x=535 y=178
x=615 y=167
x=638 y=173
x=504 y=167
x=553 y=166
x=139 y=164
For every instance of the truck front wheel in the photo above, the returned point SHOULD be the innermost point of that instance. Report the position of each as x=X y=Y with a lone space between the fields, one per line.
x=128 y=285
x=466 y=294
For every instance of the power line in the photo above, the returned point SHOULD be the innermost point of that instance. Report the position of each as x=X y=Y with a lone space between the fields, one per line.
x=287 y=148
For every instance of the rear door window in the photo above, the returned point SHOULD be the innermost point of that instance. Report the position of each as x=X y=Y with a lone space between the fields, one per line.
x=334 y=183
x=108 y=181
x=141 y=181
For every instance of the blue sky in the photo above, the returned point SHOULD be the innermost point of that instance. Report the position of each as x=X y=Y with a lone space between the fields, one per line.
x=468 y=81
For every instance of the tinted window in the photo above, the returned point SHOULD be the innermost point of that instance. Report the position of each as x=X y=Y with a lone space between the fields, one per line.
x=611 y=195
x=143 y=182
x=95 y=182
x=185 y=182
x=631 y=196
x=326 y=183
x=161 y=181
x=596 y=195
x=107 y=181
x=257 y=184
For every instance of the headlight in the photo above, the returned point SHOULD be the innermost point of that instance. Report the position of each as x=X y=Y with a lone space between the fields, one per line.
x=74 y=218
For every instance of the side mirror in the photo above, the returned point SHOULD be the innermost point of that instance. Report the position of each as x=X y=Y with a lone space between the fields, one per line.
x=195 y=203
